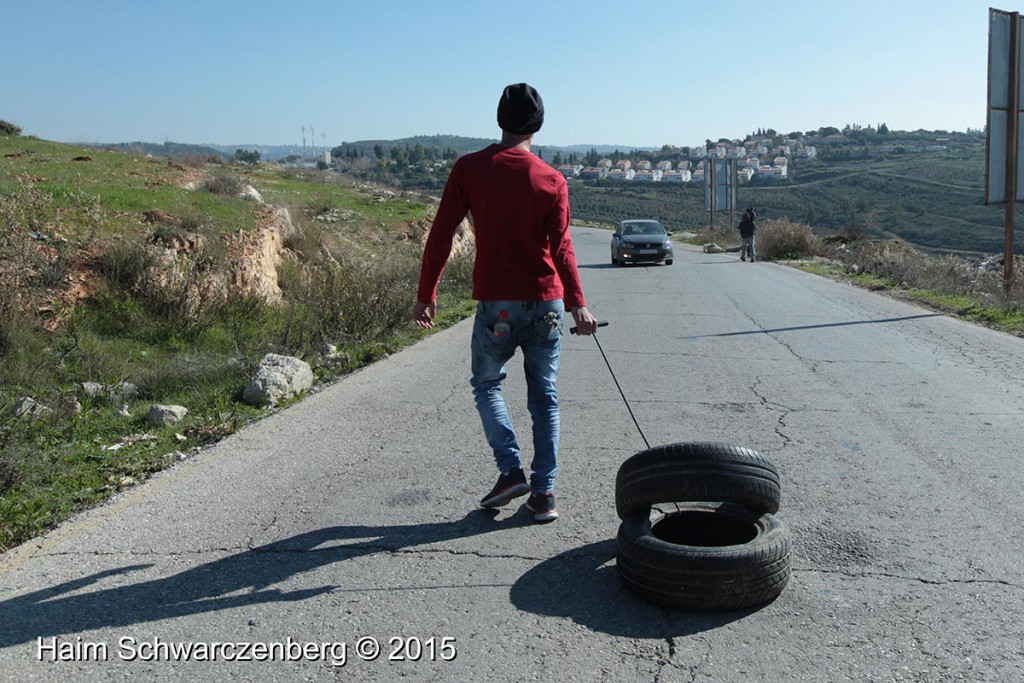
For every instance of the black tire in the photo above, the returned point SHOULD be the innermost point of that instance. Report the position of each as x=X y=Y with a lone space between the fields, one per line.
x=615 y=261
x=668 y=262
x=707 y=570
x=684 y=472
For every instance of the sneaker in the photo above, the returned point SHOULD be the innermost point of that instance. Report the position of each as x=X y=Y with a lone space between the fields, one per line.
x=542 y=506
x=509 y=486
x=743 y=258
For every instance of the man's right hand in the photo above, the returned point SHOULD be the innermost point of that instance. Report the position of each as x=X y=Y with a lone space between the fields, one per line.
x=423 y=314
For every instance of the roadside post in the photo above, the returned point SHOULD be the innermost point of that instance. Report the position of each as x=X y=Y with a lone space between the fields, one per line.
x=1002 y=132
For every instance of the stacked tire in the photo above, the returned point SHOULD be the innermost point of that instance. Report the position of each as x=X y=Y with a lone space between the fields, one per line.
x=713 y=542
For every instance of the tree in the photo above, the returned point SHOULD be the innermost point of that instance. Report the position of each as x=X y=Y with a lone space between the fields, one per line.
x=883 y=129
x=557 y=159
x=378 y=151
x=246 y=156
x=8 y=128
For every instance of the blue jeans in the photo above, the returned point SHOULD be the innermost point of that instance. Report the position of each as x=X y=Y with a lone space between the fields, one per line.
x=541 y=344
x=747 y=247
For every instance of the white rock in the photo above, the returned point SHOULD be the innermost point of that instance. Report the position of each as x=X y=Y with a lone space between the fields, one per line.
x=30 y=407
x=163 y=415
x=125 y=391
x=123 y=411
x=252 y=193
x=277 y=378
x=92 y=389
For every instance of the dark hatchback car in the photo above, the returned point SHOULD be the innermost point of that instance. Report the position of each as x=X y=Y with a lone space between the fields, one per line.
x=641 y=241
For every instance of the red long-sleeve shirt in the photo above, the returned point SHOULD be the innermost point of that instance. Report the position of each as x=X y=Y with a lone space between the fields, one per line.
x=520 y=209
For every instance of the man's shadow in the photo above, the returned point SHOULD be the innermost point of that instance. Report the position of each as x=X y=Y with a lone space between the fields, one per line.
x=581 y=584
x=239 y=580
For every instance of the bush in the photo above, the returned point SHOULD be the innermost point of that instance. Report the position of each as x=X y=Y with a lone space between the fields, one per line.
x=723 y=236
x=345 y=304
x=902 y=264
x=124 y=265
x=8 y=128
x=784 y=239
x=224 y=183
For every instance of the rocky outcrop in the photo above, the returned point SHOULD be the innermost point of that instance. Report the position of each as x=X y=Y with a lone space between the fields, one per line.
x=255 y=257
x=277 y=378
x=463 y=243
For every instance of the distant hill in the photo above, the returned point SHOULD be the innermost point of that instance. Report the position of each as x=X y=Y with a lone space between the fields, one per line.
x=465 y=145
x=461 y=145
x=174 y=150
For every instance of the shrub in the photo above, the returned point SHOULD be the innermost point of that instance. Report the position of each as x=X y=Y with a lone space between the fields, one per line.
x=350 y=304
x=784 y=239
x=8 y=128
x=723 y=236
x=224 y=183
x=124 y=265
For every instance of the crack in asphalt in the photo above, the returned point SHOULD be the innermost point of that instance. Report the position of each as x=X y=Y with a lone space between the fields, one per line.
x=302 y=551
x=913 y=579
x=784 y=412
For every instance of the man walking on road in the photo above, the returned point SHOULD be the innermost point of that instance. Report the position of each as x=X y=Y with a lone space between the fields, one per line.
x=524 y=278
x=747 y=231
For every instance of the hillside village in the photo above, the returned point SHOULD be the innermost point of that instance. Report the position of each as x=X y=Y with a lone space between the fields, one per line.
x=760 y=155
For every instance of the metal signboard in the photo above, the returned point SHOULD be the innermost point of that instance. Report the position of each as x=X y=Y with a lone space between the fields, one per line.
x=1003 y=179
x=1004 y=144
x=720 y=185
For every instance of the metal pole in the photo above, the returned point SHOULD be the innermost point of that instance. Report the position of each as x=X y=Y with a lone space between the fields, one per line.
x=1011 y=151
x=714 y=186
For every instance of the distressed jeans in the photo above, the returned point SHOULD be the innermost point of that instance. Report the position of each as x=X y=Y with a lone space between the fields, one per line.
x=532 y=331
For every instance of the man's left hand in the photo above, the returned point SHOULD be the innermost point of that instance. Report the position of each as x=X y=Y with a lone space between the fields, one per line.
x=586 y=324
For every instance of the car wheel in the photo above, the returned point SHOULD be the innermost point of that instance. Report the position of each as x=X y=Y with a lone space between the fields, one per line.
x=615 y=261
x=696 y=471
x=705 y=556
x=668 y=262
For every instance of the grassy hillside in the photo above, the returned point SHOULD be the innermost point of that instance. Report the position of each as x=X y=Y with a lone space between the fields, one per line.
x=122 y=269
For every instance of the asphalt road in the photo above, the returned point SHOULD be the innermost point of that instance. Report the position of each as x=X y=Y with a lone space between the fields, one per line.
x=351 y=515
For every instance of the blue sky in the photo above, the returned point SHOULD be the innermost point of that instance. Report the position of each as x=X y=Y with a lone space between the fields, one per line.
x=643 y=73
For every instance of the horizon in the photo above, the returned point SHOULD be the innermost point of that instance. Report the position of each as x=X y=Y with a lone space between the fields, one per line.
x=621 y=147
x=660 y=73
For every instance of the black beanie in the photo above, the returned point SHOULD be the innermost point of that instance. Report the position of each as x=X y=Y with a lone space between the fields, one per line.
x=520 y=110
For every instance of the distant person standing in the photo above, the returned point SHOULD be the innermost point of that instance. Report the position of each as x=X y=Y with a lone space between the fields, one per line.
x=747 y=231
x=524 y=278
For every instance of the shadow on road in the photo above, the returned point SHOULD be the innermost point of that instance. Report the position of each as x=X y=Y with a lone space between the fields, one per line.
x=816 y=327
x=583 y=585
x=242 y=579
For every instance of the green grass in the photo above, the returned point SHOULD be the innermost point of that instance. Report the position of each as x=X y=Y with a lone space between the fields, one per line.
x=126 y=187
x=352 y=284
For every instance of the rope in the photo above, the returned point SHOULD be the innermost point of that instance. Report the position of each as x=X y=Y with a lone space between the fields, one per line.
x=617 y=386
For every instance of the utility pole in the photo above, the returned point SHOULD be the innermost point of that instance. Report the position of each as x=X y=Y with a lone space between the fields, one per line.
x=303 y=143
